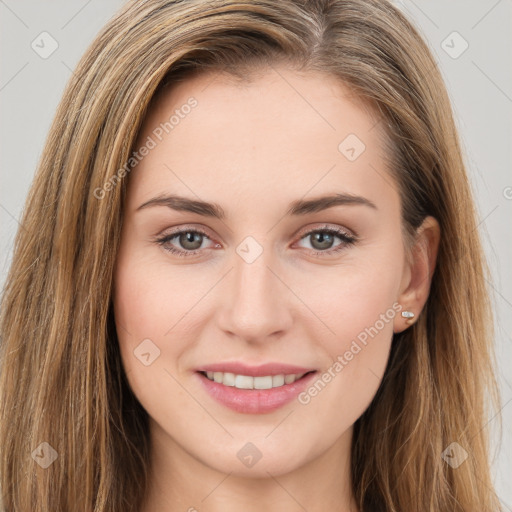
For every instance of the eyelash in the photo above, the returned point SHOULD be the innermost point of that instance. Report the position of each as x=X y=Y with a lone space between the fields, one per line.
x=345 y=237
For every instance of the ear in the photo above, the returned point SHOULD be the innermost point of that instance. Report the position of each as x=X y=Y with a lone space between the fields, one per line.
x=418 y=271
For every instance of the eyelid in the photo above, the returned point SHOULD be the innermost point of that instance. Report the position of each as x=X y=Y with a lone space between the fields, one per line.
x=177 y=230
x=334 y=227
x=180 y=229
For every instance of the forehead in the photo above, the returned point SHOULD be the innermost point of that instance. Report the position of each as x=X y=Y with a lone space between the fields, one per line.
x=316 y=98
x=281 y=131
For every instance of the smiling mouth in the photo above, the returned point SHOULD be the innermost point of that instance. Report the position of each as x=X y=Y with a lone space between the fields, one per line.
x=256 y=383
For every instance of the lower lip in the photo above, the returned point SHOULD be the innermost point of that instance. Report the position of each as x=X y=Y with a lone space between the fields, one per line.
x=255 y=401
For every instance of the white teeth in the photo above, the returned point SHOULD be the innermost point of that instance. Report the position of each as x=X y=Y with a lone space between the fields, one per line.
x=244 y=382
x=288 y=379
x=277 y=380
x=228 y=379
x=263 y=382
x=248 y=382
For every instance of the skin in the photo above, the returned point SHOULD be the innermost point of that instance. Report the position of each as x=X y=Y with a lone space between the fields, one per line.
x=236 y=148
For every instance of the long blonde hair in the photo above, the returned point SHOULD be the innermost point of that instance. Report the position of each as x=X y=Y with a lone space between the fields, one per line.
x=61 y=379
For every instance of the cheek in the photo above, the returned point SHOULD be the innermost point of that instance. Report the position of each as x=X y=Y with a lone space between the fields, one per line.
x=355 y=297
x=147 y=296
x=358 y=307
x=143 y=308
x=146 y=308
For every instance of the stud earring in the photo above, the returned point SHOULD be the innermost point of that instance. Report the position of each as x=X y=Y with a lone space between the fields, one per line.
x=409 y=315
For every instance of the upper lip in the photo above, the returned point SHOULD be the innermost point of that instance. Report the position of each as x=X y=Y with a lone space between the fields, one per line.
x=240 y=368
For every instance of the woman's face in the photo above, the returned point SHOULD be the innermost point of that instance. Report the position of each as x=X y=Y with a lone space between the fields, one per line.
x=271 y=278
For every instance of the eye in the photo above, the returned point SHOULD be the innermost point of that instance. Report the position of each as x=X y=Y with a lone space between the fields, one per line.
x=189 y=239
x=322 y=240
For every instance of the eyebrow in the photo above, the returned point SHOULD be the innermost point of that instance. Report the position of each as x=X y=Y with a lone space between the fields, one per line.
x=296 y=208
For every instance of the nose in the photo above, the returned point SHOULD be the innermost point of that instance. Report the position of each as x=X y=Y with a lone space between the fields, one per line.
x=257 y=303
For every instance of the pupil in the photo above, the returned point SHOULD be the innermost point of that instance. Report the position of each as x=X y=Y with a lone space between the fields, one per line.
x=325 y=240
x=189 y=238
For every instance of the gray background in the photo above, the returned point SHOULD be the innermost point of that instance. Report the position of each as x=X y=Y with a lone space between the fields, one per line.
x=479 y=80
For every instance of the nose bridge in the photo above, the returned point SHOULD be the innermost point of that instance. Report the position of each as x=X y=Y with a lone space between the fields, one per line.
x=253 y=281
x=257 y=305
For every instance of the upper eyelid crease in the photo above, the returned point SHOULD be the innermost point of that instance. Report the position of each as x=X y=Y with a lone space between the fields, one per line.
x=301 y=233
x=297 y=208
